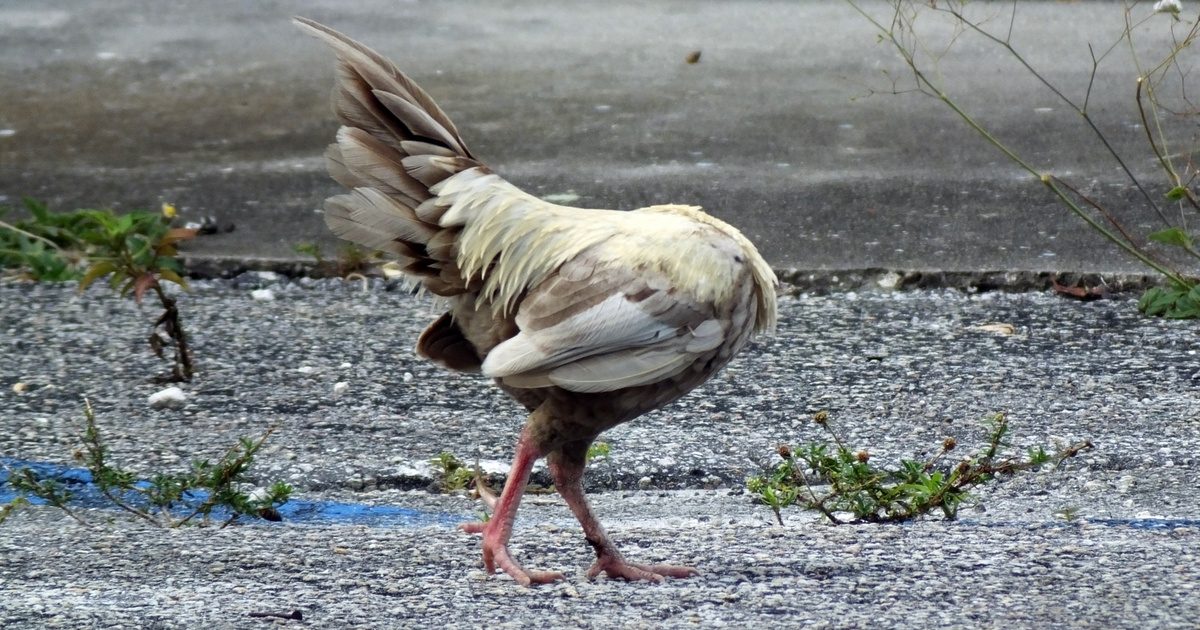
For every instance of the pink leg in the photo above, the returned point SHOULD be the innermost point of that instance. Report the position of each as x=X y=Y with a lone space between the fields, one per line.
x=568 y=479
x=497 y=531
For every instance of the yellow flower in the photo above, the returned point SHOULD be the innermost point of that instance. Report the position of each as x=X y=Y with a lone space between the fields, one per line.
x=168 y=210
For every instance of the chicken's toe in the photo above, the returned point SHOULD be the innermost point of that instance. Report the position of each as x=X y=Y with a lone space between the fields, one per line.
x=496 y=555
x=617 y=568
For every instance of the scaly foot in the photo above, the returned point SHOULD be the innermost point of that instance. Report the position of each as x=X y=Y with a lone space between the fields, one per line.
x=495 y=554
x=616 y=567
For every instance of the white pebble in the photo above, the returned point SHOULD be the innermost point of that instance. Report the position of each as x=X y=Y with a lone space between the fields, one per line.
x=407 y=377
x=644 y=483
x=263 y=295
x=889 y=280
x=340 y=388
x=346 y=366
x=306 y=369
x=169 y=398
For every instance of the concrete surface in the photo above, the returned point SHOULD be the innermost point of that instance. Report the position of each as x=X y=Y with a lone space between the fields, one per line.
x=900 y=371
x=785 y=127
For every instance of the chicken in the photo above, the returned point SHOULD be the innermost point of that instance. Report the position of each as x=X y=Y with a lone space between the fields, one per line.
x=587 y=318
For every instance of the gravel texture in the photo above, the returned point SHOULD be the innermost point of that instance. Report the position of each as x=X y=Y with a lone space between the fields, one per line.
x=899 y=372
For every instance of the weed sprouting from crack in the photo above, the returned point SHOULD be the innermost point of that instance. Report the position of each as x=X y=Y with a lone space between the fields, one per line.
x=136 y=251
x=453 y=475
x=859 y=492
x=165 y=500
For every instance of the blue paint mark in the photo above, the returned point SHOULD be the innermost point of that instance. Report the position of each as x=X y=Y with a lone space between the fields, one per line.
x=85 y=494
x=78 y=481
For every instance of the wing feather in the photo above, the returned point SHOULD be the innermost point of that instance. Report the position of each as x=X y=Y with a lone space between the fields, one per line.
x=610 y=330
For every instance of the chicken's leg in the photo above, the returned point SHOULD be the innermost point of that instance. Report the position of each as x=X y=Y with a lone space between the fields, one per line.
x=567 y=471
x=497 y=531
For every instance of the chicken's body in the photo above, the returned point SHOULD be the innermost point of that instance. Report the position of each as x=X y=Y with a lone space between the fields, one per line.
x=588 y=318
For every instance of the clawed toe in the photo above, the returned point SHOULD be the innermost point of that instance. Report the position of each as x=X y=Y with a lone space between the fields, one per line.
x=476 y=527
x=497 y=556
x=621 y=570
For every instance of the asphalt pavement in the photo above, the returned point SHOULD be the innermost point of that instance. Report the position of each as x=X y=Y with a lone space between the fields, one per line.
x=786 y=127
x=1108 y=540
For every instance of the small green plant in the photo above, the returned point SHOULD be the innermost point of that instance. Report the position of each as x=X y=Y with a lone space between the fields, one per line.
x=351 y=259
x=10 y=508
x=136 y=251
x=1067 y=513
x=870 y=494
x=598 y=450
x=308 y=248
x=166 y=499
x=452 y=474
x=1173 y=302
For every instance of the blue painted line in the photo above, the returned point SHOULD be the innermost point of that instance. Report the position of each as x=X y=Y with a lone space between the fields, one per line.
x=85 y=494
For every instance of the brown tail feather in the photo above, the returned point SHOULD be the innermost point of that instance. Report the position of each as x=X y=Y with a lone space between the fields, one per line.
x=395 y=144
x=363 y=71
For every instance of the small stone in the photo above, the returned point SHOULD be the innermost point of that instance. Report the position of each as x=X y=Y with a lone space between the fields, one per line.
x=346 y=365
x=263 y=295
x=306 y=369
x=644 y=483
x=340 y=388
x=19 y=388
x=888 y=280
x=169 y=398
x=407 y=377
x=1124 y=484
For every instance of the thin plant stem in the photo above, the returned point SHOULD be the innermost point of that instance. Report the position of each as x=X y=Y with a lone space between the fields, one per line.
x=1048 y=180
x=8 y=226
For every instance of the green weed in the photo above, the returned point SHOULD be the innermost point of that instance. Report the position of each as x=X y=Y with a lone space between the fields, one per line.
x=859 y=491
x=598 y=450
x=452 y=474
x=351 y=260
x=165 y=499
x=135 y=251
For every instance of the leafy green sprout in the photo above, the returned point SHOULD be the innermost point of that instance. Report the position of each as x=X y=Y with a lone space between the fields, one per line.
x=167 y=500
x=598 y=450
x=136 y=251
x=10 y=508
x=352 y=261
x=874 y=495
x=453 y=475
